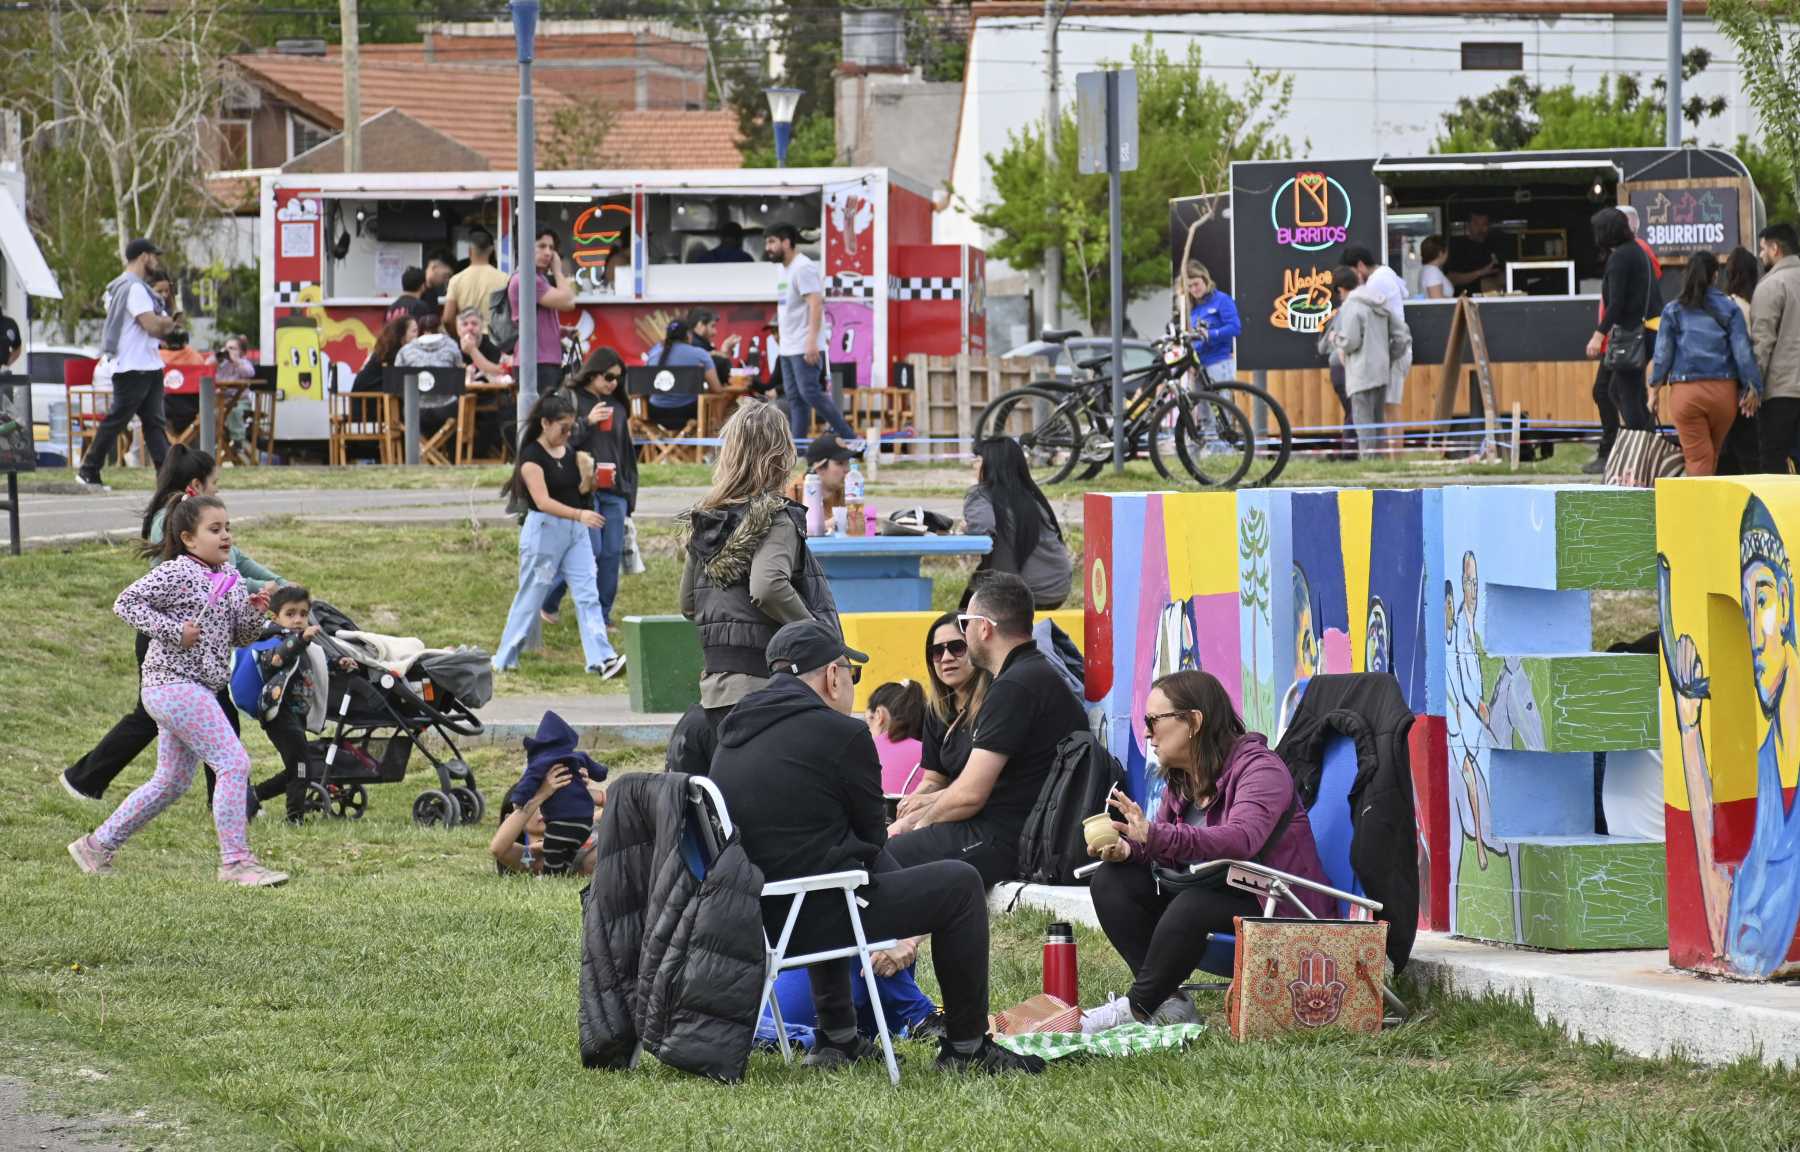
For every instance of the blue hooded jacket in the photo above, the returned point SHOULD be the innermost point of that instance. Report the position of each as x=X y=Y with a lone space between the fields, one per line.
x=555 y=744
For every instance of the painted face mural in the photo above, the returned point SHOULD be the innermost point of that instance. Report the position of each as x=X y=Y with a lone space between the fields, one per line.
x=1306 y=637
x=1378 y=647
x=299 y=359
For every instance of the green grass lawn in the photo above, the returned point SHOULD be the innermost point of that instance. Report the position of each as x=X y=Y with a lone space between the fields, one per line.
x=399 y=995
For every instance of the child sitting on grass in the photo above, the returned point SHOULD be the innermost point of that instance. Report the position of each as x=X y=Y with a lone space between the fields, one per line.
x=276 y=680
x=547 y=823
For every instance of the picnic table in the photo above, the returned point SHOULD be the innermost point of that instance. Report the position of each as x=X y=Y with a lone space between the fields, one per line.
x=881 y=573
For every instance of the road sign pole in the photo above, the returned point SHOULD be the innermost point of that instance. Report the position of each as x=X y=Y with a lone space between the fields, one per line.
x=1116 y=268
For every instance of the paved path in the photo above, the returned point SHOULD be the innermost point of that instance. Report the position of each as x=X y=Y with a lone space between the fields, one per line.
x=508 y=718
x=22 y=1130
x=59 y=518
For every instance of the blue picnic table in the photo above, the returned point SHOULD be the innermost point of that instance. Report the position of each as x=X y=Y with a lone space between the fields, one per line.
x=881 y=573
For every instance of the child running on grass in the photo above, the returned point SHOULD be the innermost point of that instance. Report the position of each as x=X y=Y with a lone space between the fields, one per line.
x=194 y=607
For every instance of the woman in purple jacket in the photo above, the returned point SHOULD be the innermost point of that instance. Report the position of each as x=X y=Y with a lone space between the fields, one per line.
x=1226 y=795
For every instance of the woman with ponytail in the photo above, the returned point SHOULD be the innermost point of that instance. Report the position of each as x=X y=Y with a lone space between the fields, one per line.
x=678 y=350
x=553 y=540
x=186 y=472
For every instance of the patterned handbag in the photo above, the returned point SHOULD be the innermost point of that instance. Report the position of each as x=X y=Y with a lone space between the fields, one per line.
x=1640 y=457
x=1304 y=975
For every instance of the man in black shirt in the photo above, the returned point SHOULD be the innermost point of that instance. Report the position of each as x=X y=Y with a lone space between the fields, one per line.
x=1477 y=254
x=1028 y=710
x=802 y=783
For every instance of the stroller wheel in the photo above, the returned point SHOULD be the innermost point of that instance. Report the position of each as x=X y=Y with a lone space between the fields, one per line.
x=433 y=807
x=349 y=802
x=316 y=802
x=470 y=804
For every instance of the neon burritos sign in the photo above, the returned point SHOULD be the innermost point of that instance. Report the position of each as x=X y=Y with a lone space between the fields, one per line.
x=1305 y=304
x=1311 y=212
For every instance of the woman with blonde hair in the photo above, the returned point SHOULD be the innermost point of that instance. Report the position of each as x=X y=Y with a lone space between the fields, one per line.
x=1213 y=318
x=748 y=569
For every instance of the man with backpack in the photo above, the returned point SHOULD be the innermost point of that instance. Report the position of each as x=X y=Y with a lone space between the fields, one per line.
x=802 y=783
x=978 y=814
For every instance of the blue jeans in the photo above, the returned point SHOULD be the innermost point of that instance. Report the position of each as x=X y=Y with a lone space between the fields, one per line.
x=551 y=547
x=609 y=546
x=806 y=394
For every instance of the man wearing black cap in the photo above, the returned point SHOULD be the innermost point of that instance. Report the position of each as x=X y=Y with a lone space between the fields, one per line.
x=136 y=323
x=827 y=456
x=802 y=782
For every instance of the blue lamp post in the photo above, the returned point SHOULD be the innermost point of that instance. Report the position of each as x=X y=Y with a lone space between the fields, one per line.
x=525 y=19
x=782 y=102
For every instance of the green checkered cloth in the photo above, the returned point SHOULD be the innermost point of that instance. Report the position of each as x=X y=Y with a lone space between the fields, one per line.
x=1125 y=1040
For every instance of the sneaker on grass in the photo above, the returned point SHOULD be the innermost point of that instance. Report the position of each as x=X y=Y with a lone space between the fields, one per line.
x=990 y=1059
x=612 y=667
x=251 y=874
x=1177 y=1009
x=826 y=1054
x=68 y=786
x=90 y=857
x=1116 y=1011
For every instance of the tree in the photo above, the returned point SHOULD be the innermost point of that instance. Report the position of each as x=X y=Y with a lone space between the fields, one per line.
x=576 y=134
x=1620 y=112
x=1190 y=129
x=1766 y=34
x=112 y=123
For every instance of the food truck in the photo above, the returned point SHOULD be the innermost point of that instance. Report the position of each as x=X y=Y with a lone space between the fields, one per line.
x=1273 y=242
x=640 y=247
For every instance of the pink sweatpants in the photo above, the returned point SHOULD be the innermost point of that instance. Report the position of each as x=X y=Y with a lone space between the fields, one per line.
x=192 y=729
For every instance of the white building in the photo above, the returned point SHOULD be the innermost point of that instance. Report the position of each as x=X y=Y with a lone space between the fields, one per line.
x=1370 y=78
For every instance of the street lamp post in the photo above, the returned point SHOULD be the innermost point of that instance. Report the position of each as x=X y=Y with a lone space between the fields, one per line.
x=782 y=102
x=525 y=18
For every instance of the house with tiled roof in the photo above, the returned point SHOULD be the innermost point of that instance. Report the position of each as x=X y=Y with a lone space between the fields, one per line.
x=461 y=81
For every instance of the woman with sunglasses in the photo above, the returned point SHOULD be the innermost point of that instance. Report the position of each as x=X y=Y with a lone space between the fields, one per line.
x=1228 y=797
x=598 y=390
x=956 y=688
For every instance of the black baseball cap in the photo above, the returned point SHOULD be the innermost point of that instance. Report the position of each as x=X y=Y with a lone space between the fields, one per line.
x=807 y=646
x=140 y=246
x=827 y=447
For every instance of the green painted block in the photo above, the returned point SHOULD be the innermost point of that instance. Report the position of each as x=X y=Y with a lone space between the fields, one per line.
x=1593 y=893
x=1575 y=893
x=1606 y=538
x=662 y=663
x=1598 y=702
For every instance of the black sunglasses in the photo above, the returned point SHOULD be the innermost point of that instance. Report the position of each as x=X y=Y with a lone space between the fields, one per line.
x=616 y=375
x=957 y=648
x=855 y=671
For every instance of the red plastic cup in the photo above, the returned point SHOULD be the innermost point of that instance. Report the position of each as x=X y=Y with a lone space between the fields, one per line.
x=603 y=476
x=606 y=418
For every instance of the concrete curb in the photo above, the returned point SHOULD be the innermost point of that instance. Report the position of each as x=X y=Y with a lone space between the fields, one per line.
x=650 y=730
x=1632 y=1000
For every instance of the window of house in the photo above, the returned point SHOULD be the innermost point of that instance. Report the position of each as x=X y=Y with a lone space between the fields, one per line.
x=231 y=145
x=1492 y=56
x=304 y=135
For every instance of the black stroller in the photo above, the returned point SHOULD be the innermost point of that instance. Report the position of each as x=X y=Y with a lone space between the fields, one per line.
x=378 y=718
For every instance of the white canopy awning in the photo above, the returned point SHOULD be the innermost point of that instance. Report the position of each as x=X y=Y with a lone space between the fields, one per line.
x=22 y=254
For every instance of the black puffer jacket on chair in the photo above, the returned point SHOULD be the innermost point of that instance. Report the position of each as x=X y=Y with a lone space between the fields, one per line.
x=668 y=958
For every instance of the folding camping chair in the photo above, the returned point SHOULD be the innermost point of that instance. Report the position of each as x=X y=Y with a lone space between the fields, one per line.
x=644 y=381
x=707 y=831
x=1329 y=817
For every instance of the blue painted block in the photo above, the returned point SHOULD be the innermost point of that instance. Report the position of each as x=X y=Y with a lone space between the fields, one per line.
x=1541 y=793
x=891 y=594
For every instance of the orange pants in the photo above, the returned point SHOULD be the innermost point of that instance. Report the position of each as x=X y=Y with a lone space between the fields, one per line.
x=1703 y=411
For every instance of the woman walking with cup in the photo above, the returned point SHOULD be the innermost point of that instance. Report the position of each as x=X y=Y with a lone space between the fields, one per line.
x=603 y=433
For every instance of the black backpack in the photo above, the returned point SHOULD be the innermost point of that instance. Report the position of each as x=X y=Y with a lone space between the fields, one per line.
x=503 y=325
x=1081 y=777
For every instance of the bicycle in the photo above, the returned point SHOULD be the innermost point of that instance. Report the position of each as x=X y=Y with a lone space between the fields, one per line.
x=1063 y=426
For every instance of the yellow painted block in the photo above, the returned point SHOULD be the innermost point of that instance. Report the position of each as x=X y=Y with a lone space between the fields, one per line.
x=1200 y=536
x=1356 y=521
x=1709 y=541
x=895 y=643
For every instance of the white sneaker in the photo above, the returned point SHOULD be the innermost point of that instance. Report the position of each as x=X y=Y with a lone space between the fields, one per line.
x=90 y=857
x=251 y=874
x=1110 y=1015
x=612 y=667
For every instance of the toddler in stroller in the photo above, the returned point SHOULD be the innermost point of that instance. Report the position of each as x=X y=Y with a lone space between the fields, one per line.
x=277 y=680
x=394 y=693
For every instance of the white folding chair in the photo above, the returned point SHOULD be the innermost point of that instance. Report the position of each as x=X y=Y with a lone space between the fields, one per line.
x=705 y=794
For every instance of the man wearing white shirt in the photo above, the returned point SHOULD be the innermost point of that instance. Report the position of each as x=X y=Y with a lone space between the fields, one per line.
x=1383 y=285
x=136 y=323
x=800 y=325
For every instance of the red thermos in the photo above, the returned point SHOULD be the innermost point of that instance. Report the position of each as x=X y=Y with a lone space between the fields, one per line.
x=1059 y=962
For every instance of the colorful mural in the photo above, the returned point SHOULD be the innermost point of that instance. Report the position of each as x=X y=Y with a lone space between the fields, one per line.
x=1528 y=703
x=1730 y=763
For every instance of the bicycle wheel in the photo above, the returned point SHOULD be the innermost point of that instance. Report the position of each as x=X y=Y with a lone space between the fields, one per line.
x=1212 y=439
x=1276 y=450
x=1044 y=424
